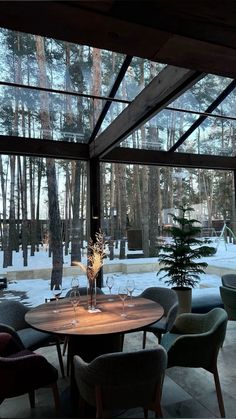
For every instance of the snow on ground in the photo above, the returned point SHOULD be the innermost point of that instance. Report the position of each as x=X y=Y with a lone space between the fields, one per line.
x=34 y=291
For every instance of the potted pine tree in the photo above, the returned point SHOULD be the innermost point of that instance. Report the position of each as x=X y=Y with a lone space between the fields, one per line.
x=180 y=258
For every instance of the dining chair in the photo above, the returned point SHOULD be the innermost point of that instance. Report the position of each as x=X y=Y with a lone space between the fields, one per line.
x=194 y=342
x=23 y=371
x=228 y=296
x=122 y=380
x=168 y=299
x=12 y=320
x=229 y=280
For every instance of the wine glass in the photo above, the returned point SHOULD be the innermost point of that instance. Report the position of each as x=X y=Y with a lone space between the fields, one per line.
x=123 y=293
x=75 y=282
x=57 y=290
x=74 y=299
x=110 y=283
x=130 y=285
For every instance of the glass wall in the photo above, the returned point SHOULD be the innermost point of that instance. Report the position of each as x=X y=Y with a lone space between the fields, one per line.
x=43 y=214
x=137 y=202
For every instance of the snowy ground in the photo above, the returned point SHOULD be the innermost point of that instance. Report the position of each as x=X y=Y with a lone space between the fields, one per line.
x=34 y=292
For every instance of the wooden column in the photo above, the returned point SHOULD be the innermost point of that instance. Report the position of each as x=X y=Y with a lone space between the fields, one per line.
x=94 y=203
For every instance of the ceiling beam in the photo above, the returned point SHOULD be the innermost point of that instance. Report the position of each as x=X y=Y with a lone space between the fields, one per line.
x=170 y=83
x=43 y=148
x=164 y=158
x=187 y=34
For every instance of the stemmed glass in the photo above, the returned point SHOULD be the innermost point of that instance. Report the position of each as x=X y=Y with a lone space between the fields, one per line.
x=110 y=283
x=74 y=299
x=130 y=285
x=123 y=293
x=57 y=290
x=75 y=282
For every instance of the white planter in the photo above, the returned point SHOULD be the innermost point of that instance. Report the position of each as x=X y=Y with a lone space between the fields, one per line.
x=185 y=299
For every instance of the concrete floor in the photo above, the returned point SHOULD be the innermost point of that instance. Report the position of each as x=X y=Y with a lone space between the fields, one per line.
x=187 y=393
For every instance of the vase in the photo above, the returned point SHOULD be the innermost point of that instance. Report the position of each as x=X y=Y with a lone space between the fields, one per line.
x=91 y=293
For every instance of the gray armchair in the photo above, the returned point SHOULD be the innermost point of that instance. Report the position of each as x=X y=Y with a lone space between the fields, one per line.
x=194 y=342
x=122 y=380
x=12 y=320
x=169 y=301
x=228 y=296
x=229 y=280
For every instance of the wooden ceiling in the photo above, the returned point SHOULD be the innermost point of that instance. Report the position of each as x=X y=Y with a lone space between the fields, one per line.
x=196 y=34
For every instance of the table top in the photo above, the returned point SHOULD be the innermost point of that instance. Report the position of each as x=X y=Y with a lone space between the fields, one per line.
x=106 y=321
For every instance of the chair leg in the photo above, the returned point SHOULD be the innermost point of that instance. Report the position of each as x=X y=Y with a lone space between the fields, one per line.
x=56 y=397
x=145 y=413
x=60 y=358
x=144 y=338
x=65 y=345
x=32 y=399
x=219 y=392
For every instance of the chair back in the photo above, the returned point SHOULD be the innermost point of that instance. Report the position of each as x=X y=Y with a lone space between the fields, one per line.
x=228 y=296
x=164 y=296
x=12 y=313
x=83 y=291
x=229 y=280
x=126 y=380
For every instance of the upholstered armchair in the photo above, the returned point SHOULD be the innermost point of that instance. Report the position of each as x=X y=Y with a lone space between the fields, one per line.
x=122 y=380
x=12 y=320
x=194 y=342
x=23 y=371
x=228 y=296
x=229 y=280
x=169 y=301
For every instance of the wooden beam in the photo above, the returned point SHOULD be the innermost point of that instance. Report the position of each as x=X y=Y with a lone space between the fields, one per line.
x=170 y=83
x=165 y=158
x=186 y=34
x=43 y=148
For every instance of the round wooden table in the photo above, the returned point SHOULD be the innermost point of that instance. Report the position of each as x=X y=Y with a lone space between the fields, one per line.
x=96 y=333
x=107 y=320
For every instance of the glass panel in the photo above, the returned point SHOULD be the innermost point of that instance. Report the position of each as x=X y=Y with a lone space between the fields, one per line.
x=38 y=61
x=43 y=217
x=30 y=113
x=138 y=75
x=215 y=136
x=160 y=132
x=136 y=205
x=202 y=94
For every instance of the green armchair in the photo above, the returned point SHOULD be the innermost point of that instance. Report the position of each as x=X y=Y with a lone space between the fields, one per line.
x=122 y=380
x=194 y=342
x=228 y=296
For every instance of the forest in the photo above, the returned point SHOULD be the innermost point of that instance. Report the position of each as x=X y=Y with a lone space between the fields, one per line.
x=44 y=200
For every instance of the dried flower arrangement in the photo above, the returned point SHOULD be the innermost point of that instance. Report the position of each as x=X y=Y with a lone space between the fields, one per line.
x=96 y=254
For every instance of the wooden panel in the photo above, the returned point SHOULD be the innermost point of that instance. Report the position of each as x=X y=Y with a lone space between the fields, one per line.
x=199 y=35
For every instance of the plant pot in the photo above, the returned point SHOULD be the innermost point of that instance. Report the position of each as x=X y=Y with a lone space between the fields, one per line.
x=185 y=299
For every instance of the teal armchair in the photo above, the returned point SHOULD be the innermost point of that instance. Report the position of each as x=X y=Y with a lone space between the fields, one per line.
x=228 y=296
x=194 y=342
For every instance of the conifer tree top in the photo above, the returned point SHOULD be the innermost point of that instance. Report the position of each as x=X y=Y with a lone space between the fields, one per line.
x=180 y=258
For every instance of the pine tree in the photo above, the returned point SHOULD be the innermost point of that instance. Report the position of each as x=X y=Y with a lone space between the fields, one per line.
x=180 y=257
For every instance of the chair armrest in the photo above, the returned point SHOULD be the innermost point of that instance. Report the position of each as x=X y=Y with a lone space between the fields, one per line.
x=8 y=344
x=192 y=351
x=170 y=319
x=189 y=323
x=8 y=329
